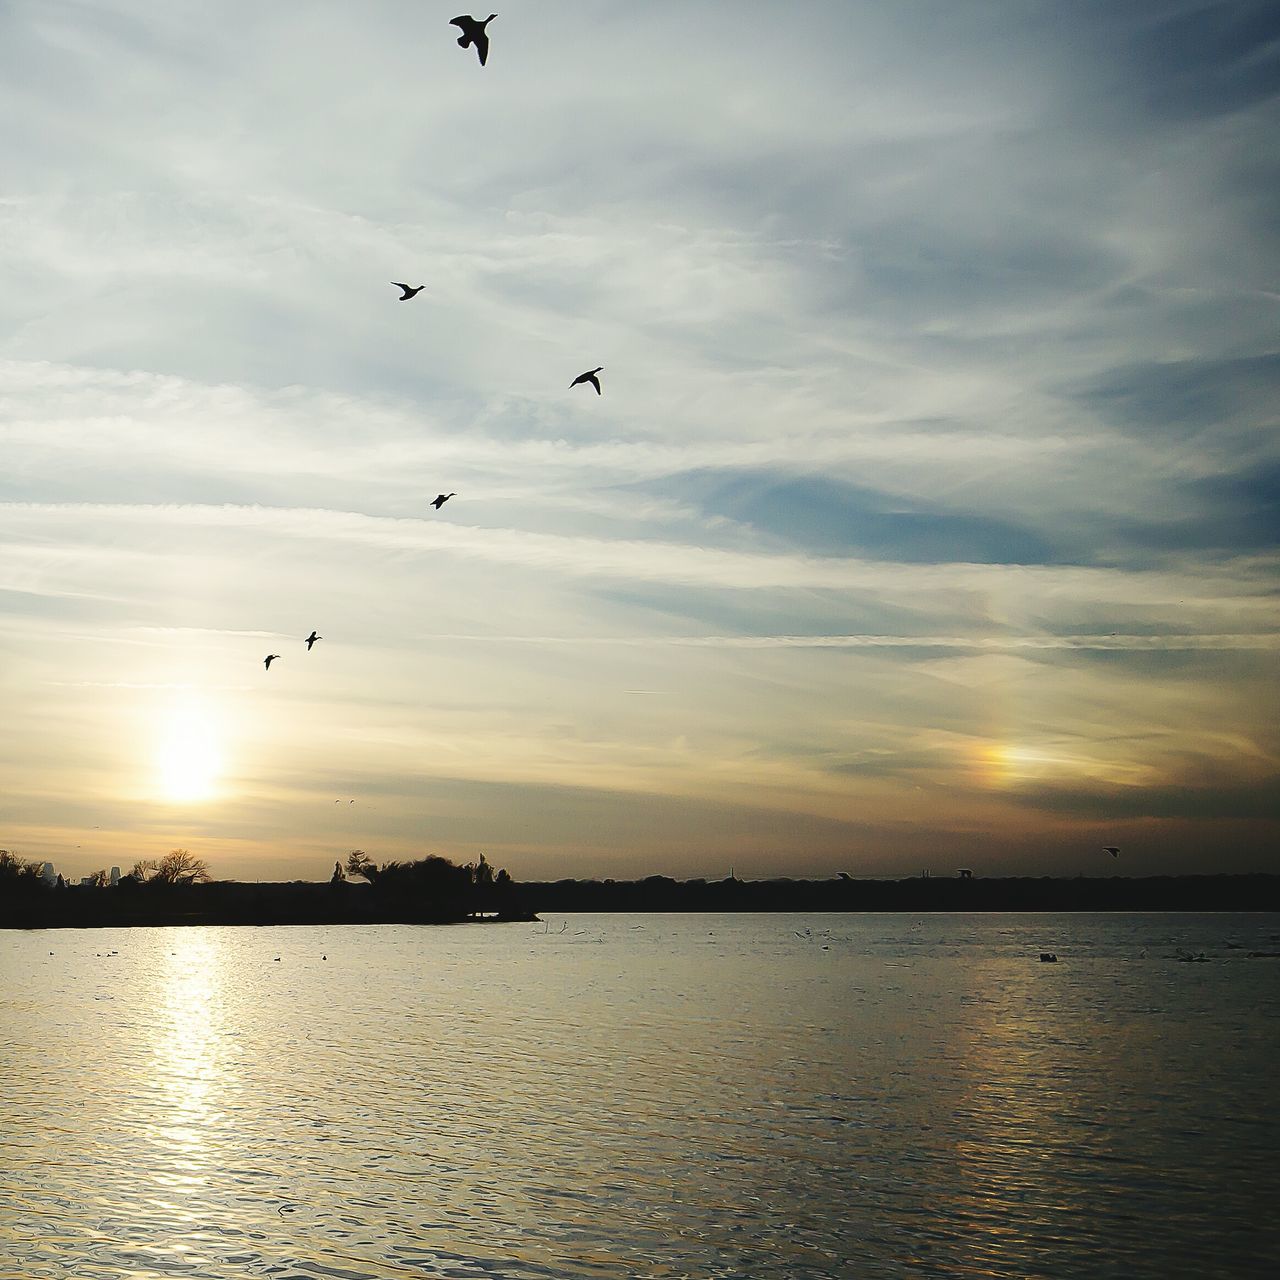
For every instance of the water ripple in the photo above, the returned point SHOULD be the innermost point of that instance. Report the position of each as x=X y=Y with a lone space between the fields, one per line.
x=762 y=1096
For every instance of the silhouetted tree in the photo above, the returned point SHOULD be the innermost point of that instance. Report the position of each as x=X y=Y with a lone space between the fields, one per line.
x=433 y=883
x=177 y=867
x=360 y=864
x=180 y=867
x=99 y=880
x=14 y=868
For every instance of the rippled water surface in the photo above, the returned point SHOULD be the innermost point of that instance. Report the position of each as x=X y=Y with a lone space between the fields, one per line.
x=755 y=1096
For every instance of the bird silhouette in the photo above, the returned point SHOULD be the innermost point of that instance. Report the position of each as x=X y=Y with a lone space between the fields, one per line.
x=441 y=498
x=589 y=376
x=473 y=32
x=311 y=639
x=408 y=291
x=269 y=659
x=1111 y=849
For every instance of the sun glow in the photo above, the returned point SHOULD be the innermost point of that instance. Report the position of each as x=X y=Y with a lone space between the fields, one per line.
x=188 y=757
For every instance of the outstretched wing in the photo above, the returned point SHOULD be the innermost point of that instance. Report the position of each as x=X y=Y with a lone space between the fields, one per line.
x=482 y=47
x=595 y=382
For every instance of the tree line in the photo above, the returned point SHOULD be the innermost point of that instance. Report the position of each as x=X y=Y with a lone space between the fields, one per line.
x=178 y=888
x=177 y=867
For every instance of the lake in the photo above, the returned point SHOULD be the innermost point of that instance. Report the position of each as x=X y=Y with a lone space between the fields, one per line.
x=666 y=1096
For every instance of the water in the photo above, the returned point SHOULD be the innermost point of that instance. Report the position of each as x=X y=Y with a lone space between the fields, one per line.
x=665 y=1096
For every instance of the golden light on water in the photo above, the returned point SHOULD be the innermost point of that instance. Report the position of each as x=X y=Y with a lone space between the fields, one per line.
x=187 y=1066
x=188 y=756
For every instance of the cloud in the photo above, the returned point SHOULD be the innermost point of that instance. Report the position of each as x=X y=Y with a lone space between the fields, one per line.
x=936 y=457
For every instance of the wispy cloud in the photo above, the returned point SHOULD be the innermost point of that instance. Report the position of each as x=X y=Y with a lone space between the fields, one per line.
x=933 y=483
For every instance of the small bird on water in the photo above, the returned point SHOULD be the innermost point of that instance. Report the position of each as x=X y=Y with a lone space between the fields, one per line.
x=408 y=291
x=473 y=32
x=311 y=639
x=269 y=659
x=589 y=376
x=441 y=498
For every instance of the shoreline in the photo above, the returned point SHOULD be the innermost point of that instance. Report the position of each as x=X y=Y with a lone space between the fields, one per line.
x=230 y=902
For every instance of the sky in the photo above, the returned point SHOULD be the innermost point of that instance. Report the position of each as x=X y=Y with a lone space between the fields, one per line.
x=928 y=518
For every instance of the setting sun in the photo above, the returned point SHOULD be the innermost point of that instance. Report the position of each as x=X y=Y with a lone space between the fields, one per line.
x=188 y=756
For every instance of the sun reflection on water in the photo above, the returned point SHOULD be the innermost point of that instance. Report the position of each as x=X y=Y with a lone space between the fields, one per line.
x=189 y=1057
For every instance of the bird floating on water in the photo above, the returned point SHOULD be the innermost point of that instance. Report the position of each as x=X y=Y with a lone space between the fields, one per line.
x=1111 y=849
x=474 y=33
x=441 y=498
x=589 y=376
x=269 y=659
x=408 y=291
x=311 y=639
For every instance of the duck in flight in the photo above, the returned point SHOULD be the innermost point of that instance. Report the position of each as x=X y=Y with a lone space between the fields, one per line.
x=311 y=639
x=269 y=659
x=1111 y=849
x=408 y=291
x=441 y=498
x=589 y=376
x=473 y=32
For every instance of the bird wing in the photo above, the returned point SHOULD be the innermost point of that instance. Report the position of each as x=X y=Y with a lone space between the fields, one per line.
x=595 y=382
x=482 y=47
x=460 y=21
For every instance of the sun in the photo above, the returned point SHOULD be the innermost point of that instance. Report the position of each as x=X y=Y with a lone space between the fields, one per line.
x=188 y=755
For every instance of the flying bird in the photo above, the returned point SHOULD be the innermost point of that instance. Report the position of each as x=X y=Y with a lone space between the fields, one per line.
x=311 y=639
x=269 y=659
x=473 y=33
x=1111 y=849
x=408 y=291
x=441 y=498
x=589 y=376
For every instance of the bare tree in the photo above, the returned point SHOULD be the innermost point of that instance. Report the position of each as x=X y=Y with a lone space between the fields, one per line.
x=180 y=867
x=176 y=867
